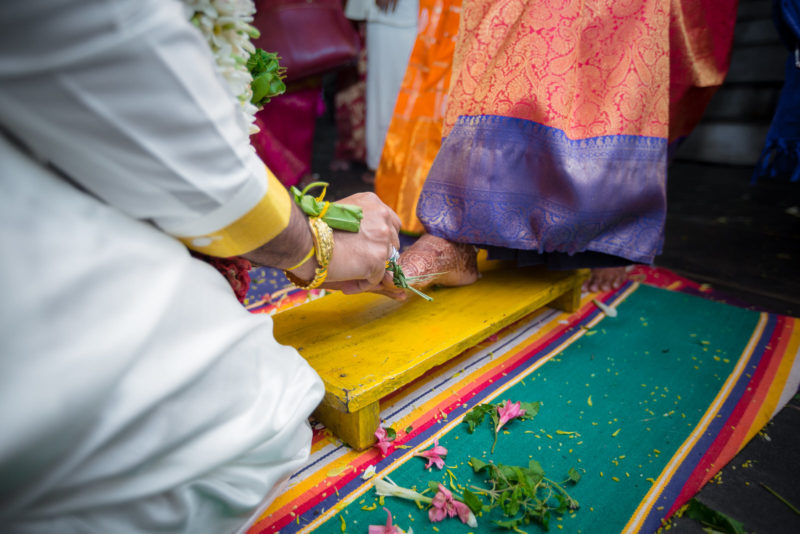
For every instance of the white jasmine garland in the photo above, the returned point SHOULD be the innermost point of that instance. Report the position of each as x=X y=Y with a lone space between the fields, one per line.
x=226 y=25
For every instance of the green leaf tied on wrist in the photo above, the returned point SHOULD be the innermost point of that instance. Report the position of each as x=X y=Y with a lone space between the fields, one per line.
x=343 y=217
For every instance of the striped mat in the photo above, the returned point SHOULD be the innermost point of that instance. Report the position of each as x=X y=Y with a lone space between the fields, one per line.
x=647 y=405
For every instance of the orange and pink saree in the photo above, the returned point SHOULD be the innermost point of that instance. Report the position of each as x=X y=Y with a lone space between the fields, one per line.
x=559 y=121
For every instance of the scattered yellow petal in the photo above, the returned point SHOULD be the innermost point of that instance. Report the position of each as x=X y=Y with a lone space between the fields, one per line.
x=565 y=432
x=338 y=471
x=656 y=451
x=614 y=435
x=370 y=508
x=650 y=480
x=344 y=525
x=589 y=400
x=615 y=479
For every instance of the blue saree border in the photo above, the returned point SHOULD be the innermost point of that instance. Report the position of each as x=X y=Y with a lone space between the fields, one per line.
x=514 y=183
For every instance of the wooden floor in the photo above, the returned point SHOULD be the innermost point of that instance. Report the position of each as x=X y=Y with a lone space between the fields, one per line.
x=742 y=238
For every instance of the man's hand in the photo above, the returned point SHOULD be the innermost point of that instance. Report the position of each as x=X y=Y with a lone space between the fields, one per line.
x=359 y=258
x=362 y=255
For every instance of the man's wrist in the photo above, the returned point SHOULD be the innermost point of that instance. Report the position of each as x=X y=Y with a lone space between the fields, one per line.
x=289 y=247
x=323 y=252
x=306 y=270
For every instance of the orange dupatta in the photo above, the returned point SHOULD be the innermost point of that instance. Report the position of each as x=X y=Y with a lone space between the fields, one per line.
x=415 y=132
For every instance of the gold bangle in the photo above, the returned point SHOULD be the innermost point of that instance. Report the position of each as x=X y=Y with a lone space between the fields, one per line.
x=305 y=259
x=323 y=246
x=323 y=240
x=319 y=277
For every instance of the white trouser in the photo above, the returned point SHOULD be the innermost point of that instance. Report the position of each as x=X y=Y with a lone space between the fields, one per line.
x=390 y=40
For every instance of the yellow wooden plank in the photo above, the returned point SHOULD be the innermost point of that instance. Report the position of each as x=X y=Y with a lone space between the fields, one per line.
x=357 y=429
x=366 y=346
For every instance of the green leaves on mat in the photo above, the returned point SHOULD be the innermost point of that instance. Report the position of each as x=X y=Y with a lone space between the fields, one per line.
x=574 y=475
x=713 y=519
x=523 y=494
x=531 y=409
x=473 y=501
x=475 y=416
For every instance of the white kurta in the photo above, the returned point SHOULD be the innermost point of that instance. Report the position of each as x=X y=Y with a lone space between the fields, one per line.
x=136 y=394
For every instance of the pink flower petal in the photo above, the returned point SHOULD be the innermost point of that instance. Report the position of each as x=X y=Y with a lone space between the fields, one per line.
x=387 y=529
x=507 y=412
x=438 y=462
x=384 y=444
x=462 y=510
x=434 y=455
x=436 y=515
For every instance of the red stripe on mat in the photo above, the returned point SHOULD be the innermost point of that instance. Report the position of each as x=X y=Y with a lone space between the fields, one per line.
x=729 y=440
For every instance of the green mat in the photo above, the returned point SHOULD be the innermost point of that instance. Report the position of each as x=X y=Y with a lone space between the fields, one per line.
x=629 y=392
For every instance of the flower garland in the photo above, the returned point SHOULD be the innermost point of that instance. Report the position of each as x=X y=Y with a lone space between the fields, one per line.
x=226 y=26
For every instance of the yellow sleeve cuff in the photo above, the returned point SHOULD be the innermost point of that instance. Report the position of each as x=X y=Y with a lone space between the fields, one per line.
x=261 y=224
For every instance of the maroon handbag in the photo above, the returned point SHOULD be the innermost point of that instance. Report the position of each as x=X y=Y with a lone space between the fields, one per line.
x=310 y=36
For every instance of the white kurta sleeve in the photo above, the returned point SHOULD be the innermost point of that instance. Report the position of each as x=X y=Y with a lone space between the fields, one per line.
x=123 y=97
x=136 y=394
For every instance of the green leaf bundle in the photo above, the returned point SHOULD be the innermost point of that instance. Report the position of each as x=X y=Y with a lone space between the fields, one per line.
x=343 y=217
x=267 y=76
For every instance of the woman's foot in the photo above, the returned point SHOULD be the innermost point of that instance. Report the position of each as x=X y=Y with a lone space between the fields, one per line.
x=606 y=279
x=439 y=261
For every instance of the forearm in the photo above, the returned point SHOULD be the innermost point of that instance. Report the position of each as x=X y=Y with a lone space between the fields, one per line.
x=288 y=247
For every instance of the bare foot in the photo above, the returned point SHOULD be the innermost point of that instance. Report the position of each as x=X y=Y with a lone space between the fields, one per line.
x=440 y=261
x=606 y=279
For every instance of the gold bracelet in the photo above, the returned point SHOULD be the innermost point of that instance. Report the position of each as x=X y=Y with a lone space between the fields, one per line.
x=323 y=240
x=323 y=246
x=305 y=259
